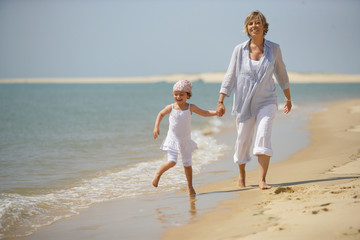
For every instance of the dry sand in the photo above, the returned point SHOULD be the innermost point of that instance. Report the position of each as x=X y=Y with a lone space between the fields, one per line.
x=214 y=77
x=316 y=196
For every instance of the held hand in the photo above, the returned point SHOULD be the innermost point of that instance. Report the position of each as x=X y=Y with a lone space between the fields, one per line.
x=220 y=111
x=287 y=107
x=156 y=133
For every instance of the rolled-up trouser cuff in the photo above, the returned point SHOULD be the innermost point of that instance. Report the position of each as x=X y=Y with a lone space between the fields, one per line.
x=243 y=161
x=263 y=151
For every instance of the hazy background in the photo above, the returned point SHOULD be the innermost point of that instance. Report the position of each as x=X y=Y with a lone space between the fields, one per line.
x=108 y=38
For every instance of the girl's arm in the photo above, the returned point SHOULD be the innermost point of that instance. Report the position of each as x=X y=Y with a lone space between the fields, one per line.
x=204 y=113
x=160 y=116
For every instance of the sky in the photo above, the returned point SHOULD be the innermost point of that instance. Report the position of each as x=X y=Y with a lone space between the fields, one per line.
x=120 y=38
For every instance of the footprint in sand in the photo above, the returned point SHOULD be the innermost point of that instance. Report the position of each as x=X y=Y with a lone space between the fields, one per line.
x=352 y=167
x=353 y=128
x=354 y=109
x=325 y=204
x=323 y=208
x=317 y=211
x=284 y=189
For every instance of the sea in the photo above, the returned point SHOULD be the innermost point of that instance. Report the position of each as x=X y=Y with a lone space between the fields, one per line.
x=64 y=147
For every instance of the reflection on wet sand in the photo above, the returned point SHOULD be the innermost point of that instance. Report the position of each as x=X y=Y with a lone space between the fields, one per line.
x=175 y=215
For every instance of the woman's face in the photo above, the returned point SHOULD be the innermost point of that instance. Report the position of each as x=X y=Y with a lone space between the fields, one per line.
x=255 y=28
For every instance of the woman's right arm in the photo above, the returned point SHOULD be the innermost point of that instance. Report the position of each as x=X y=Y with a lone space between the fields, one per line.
x=159 y=117
x=228 y=82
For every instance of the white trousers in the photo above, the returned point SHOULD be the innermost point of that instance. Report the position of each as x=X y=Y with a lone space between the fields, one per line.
x=173 y=156
x=262 y=145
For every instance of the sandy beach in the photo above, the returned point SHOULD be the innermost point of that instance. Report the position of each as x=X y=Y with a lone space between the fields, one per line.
x=315 y=193
x=311 y=191
x=211 y=77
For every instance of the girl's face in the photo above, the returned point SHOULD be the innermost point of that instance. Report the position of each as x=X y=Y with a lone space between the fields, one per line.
x=180 y=97
x=255 y=28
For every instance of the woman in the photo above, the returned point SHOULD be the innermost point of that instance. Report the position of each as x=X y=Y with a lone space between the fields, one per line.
x=250 y=75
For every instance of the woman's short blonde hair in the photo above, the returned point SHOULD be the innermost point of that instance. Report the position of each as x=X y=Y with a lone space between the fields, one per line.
x=258 y=16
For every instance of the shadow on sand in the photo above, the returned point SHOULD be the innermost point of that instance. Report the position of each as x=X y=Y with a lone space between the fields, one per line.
x=281 y=184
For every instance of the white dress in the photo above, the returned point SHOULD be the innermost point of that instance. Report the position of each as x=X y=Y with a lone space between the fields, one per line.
x=178 y=138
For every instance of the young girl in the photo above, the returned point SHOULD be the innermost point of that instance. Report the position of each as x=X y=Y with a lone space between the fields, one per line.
x=178 y=139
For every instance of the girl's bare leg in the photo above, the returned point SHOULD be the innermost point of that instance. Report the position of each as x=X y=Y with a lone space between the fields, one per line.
x=163 y=168
x=188 y=174
x=242 y=175
x=264 y=161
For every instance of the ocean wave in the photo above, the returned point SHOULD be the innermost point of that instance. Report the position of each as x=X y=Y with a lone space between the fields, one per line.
x=22 y=214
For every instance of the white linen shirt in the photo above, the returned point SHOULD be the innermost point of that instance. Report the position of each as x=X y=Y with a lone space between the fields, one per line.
x=252 y=91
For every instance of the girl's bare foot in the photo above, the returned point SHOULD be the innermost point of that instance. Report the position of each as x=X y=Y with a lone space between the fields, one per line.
x=263 y=185
x=241 y=183
x=191 y=191
x=156 y=180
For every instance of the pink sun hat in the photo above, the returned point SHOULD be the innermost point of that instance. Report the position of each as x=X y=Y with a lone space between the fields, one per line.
x=182 y=85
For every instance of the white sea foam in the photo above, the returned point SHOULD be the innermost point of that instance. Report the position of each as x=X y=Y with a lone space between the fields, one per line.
x=20 y=215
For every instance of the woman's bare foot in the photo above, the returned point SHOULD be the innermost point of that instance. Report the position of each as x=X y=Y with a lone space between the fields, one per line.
x=191 y=191
x=263 y=185
x=156 y=180
x=241 y=183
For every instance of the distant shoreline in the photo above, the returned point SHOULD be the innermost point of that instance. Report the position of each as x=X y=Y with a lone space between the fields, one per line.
x=213 y=77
